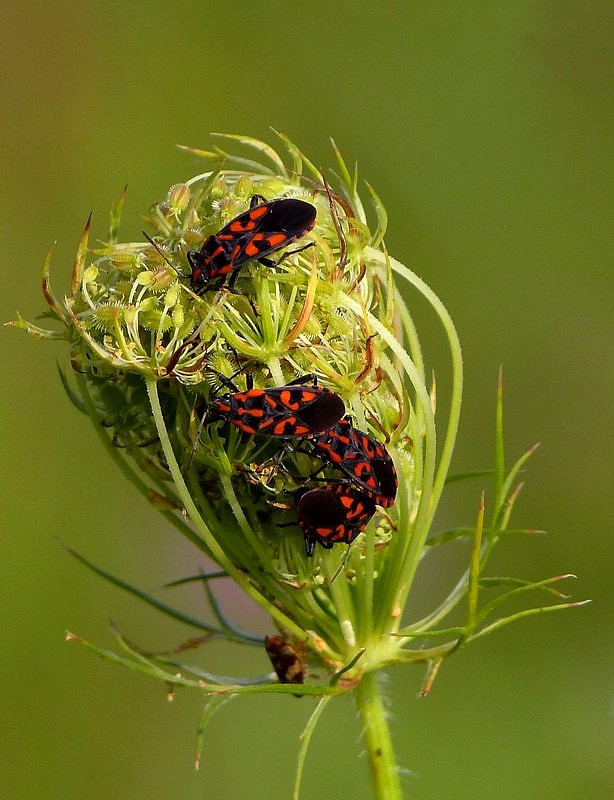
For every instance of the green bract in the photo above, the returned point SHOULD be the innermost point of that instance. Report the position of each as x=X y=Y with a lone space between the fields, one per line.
x=147 y=354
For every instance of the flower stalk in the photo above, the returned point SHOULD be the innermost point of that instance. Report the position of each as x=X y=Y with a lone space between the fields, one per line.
x=160 y=331
x=376 y=732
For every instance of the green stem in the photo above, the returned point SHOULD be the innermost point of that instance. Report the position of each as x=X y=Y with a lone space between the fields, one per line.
x=384 y=771
x=125 y=467
x=204 y=534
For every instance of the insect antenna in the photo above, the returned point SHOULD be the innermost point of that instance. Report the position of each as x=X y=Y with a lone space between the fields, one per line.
x=341 y=566
x=157 y=247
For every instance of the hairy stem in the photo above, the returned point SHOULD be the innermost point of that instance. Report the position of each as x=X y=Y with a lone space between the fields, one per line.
x=378 y=742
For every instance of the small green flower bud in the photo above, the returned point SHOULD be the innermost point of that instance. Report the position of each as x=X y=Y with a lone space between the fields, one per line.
x=178 y=198
x=90 y=274
x=178 y=316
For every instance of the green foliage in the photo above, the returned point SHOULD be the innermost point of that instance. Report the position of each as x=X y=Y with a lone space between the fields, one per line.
x=146 y=355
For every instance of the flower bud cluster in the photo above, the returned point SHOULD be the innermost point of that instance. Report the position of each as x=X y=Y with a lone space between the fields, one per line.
x=253 y=368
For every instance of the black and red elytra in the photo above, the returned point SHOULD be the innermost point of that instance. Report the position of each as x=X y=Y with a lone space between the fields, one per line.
x=267 y=226
x=338 y=513
x=287 y=663
x=365 y=461
x=294 y=410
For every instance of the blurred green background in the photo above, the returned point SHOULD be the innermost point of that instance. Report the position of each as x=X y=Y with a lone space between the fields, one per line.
x=486 y=128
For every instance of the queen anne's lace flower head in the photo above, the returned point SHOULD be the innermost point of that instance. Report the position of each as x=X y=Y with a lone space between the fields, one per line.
x=180 y=345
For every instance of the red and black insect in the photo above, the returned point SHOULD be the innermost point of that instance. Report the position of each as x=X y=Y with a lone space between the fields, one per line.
x=291 y=411
x=267 y=226
x=365 y=461
x=287 y=663
x=338 y=513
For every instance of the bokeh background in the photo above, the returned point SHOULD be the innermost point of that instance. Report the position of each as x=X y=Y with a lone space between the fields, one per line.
x=486 y=128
